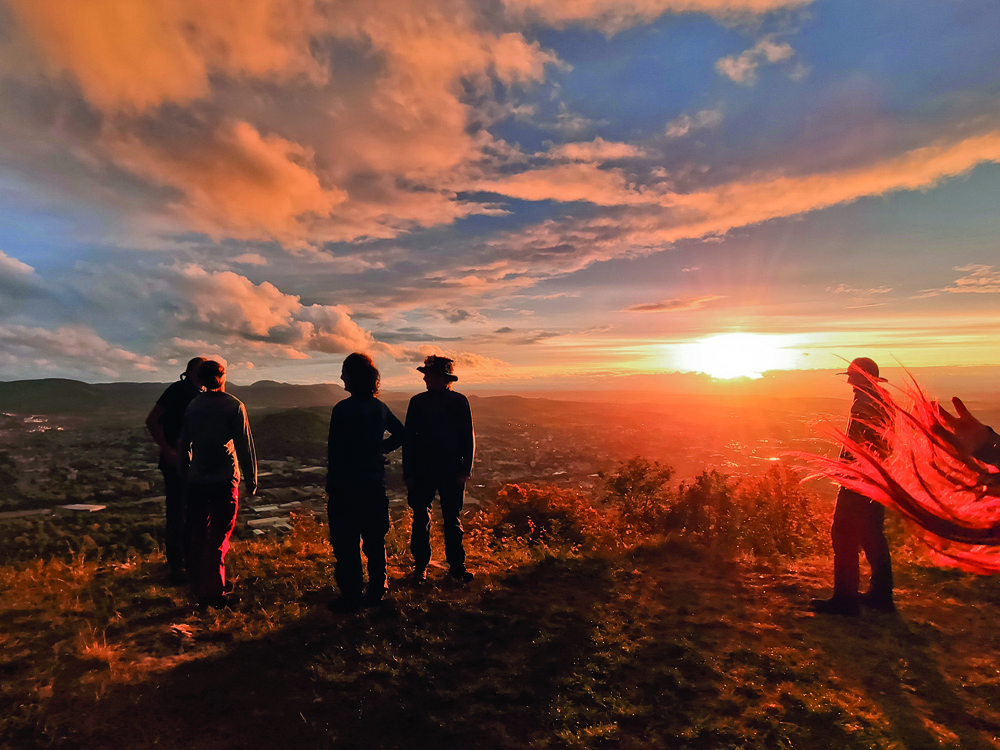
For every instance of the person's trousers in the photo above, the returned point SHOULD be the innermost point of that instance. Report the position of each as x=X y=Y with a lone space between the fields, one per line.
x=859 y=524
x=420 y=499
x=176 y=508
x=358 y=515
x=212 y=511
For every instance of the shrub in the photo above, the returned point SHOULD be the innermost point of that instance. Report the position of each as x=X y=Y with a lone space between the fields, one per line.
x=771 y=514
x=540 y=513
x=778 y=515
x=640 y=491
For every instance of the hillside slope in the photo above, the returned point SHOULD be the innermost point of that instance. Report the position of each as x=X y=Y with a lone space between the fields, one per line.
x=661 y=646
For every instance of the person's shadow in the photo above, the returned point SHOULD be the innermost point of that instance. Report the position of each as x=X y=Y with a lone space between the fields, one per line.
x=890 y=660
x=427 y=670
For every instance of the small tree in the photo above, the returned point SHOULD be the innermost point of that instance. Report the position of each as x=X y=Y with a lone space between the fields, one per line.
x=640 y=490
x=705 y=508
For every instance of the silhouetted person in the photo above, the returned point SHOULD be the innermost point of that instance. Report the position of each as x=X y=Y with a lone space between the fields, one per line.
x=164 y=424
x=216 y=449
x=859 y=522
x=358 y=507
x=437 y=458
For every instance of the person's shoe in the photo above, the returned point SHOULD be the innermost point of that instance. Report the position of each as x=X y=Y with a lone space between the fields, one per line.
x=419 y=575
x=836 y=606
x=881 y=602
x=343 y=605
x=463 y=575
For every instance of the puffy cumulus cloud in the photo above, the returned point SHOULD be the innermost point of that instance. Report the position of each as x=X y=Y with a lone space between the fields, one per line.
x=330 y=329
x=614 y=15
x=679 y=304
x=257 y=316
x=681 y=126
x=239 y=184
x=18 y=279
x=72 y=348
x=742 y=68
x=226 y=301
x=379 y=141
x=597 y=151
x=137 y=54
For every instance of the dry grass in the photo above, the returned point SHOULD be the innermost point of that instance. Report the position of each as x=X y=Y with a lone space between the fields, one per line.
x=662 y=644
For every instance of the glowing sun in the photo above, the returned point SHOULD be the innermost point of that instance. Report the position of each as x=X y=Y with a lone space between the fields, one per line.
x=736 y=355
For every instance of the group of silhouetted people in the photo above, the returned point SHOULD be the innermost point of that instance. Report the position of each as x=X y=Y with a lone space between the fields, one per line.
x=206 y=448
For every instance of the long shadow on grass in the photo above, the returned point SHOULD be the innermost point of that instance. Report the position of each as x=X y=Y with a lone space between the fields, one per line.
x=891 y=660
x=443 y=666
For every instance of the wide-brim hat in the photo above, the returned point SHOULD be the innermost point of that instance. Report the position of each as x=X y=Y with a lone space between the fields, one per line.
x=439 y=366
x=864 y=365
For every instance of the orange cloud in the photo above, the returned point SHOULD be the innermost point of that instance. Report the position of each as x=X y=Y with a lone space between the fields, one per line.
x=652 y=219
x=614 y=15
x=240 y=184
x=568 y=182
x=597 y=150
x=675 y=305
x=717 y=210
x=389 y=137
x=137 y=54
x=742 y=68
x=258 y=318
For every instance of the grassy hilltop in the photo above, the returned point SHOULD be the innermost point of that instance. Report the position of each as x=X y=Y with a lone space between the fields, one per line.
x=653 y=616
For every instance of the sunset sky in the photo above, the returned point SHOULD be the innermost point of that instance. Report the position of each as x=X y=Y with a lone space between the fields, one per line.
x=546 y=190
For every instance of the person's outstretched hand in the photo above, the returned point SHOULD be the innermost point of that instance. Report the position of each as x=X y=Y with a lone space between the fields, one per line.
x=965 y=432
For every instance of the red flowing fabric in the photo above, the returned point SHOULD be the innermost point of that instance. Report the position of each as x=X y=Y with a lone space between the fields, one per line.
x=951 y=498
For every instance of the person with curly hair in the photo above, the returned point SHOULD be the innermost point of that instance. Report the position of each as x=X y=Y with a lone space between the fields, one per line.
x=358 y=508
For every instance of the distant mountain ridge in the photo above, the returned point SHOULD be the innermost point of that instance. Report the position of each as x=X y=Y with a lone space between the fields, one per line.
x=63 y=396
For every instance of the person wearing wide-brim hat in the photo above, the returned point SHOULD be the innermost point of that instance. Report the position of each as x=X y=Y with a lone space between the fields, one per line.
x=437 y=460
x=858 y=521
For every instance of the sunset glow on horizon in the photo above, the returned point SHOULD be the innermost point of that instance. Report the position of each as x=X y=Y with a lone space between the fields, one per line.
x=544 y=190
x=736 y=355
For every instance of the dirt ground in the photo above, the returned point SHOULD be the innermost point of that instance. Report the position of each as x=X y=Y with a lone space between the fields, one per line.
x=664 y=646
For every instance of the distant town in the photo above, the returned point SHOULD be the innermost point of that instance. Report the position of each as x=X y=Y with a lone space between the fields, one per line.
x=95 y=461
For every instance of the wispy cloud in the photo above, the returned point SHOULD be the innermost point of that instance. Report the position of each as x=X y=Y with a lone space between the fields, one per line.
x=680 y=304
x=978 y=279
x=742 y=68
x=595 y=151
x=614 y=15
x=706 y=118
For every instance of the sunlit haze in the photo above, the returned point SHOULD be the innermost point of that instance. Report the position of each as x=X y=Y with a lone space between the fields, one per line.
x=550 y=192
x=736 y=355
